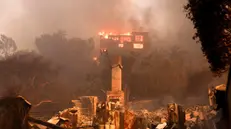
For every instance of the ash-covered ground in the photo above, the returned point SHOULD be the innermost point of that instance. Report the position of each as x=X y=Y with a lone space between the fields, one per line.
x=196 y=115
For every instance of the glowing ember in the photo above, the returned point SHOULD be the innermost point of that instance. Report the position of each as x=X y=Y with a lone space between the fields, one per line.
x=103 y=50
x=95 y=58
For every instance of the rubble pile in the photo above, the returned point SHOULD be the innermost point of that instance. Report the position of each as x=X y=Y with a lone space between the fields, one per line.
x=153 y=117
x=82 y=120
x=199 y=115
x=194 y=115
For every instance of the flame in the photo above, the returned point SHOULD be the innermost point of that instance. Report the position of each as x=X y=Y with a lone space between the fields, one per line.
x=101 y=33
x=128 y=33
x=105 y=35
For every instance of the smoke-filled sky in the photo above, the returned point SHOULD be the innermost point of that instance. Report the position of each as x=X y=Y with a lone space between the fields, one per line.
x=25 y=19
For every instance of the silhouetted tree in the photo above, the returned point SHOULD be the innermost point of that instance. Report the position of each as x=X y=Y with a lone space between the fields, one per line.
x=153 y=71
x=65 y=51
x=26 y=74
x=212 y=20
x=197 y=80
x=73 y=55
x=7 y=46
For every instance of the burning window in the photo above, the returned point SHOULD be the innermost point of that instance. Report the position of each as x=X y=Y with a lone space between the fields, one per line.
x=115 y=38
x=121 y=45
x=138 y=46
x=125 y=39
x=139 y=38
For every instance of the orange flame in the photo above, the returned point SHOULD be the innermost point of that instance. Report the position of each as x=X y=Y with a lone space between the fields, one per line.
x=105 y=35
x=101 y=33
x=128 y=33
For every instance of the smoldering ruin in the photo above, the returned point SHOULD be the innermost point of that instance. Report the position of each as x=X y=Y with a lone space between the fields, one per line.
x=50 y=56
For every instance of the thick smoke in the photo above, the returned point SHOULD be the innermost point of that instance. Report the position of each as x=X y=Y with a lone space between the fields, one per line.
x=164 y=19
x=85 y=18
x=81 y=18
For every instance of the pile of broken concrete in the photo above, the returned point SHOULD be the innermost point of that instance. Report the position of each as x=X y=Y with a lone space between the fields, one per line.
x=194 y=115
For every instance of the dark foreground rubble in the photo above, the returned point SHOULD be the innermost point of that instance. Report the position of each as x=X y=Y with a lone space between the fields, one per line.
x=15 y=115
x=195 y=117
